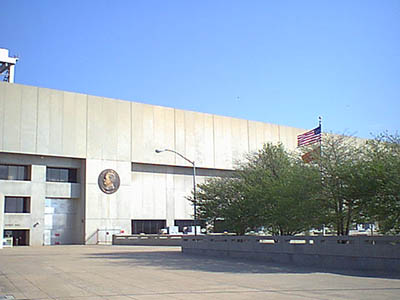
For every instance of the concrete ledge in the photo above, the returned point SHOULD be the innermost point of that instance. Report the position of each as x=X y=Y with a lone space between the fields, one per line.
x=147 y=240
x=380 y=253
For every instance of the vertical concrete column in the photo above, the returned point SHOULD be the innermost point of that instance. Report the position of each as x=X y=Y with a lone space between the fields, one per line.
x=170 y=199
x=1 y=220
x=38 y=198
x=38 y=173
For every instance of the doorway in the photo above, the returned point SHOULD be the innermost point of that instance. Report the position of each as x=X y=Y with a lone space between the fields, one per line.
x=20 y=236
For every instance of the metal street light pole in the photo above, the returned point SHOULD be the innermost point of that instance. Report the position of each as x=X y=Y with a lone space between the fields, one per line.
x=194 y=183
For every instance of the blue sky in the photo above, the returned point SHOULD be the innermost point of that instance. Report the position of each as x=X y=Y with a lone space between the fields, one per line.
x=283 y=62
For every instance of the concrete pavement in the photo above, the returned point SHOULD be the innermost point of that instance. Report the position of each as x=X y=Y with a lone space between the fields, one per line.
x=140 y=272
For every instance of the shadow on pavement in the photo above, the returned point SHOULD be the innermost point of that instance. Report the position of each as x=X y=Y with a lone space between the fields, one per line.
x=177 y=260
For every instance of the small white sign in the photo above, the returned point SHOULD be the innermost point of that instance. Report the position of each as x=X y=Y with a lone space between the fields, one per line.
x=7 y=242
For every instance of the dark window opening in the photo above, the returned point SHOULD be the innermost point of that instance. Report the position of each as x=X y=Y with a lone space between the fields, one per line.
x=187 y=223
x=147 y=226
x=61 y=175
x=20 y=236
x=15 y=172
x=17 y=205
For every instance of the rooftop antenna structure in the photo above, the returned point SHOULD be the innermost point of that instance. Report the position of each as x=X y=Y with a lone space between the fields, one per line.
x=7 y=65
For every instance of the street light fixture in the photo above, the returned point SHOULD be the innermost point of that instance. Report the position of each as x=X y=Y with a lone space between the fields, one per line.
x=194 y=183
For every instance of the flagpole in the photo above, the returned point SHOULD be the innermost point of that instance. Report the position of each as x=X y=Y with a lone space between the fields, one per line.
x=320 y=127
x=320 y=167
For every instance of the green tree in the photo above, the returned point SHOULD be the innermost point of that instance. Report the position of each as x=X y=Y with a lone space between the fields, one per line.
x=348 y=181
x=271 y=188
x=222 y=199
x=341 y=165
x=283 y=188
x=383 y=202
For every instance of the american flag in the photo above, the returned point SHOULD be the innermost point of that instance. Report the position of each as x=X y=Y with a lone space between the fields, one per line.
x=310 y=137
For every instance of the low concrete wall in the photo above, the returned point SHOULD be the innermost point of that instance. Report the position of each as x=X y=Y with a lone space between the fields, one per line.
x=357 y=253
x=147 y=240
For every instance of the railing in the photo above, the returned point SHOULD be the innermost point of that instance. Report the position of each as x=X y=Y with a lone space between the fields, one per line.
x=147 y=240
x=93 y=238
x=102 y=236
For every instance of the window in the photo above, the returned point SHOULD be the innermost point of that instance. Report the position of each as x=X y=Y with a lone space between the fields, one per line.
x=188 y=223
x=183 y=223
x=61 y=175
x=18 y=205
x=147 y=226
x=14 y=172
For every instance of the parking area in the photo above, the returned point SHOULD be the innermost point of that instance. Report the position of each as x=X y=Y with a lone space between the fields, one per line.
x=144 y=272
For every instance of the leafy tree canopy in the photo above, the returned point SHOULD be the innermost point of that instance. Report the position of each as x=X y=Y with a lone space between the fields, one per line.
x=347 y=180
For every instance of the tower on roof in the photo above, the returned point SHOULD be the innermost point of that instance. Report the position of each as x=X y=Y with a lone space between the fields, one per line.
x=7 y=65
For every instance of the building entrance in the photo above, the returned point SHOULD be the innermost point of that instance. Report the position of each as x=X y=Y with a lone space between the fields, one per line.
x=20 y=236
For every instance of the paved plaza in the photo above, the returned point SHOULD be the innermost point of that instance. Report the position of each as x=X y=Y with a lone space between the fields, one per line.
x=140 y=272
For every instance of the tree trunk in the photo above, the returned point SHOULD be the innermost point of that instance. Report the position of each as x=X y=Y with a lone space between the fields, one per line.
x=348 y=219
x=340 y=217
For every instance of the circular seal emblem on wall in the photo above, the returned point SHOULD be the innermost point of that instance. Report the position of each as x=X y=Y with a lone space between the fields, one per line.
x=109 y=181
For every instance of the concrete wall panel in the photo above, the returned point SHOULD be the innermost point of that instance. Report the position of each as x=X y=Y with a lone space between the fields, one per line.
x=170 y=199
x=137 y=195
x=110 y=129
x=137 y=123
x=271 y=133
x=29 y=103
x=199 y=130
x=50 y=122
x=74 y=125
x=12 y=118
x=124 y=204
x=69 y=124
x=240 y=140
x=95 y=128
x=190 y=138
x=256 y=135
x=152 y=188
x=146 y=145
x=56 y=122
x=63 y=190
x=223 y=142
x=93 y=209
x=153 y=195
x=2 y=116
x=163 y=135
x=143 y=196
x=15 y=188
x=142 y=133
x=207 y=141
x=183 y=187
x=124 y=135
x=158 y=201
x=180 y=132
x=152 y=128
x=288 y=136
x=43 y=131
x=105 y=210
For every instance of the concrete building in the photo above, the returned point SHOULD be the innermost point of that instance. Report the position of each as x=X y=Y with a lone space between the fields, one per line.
x=76 y=168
